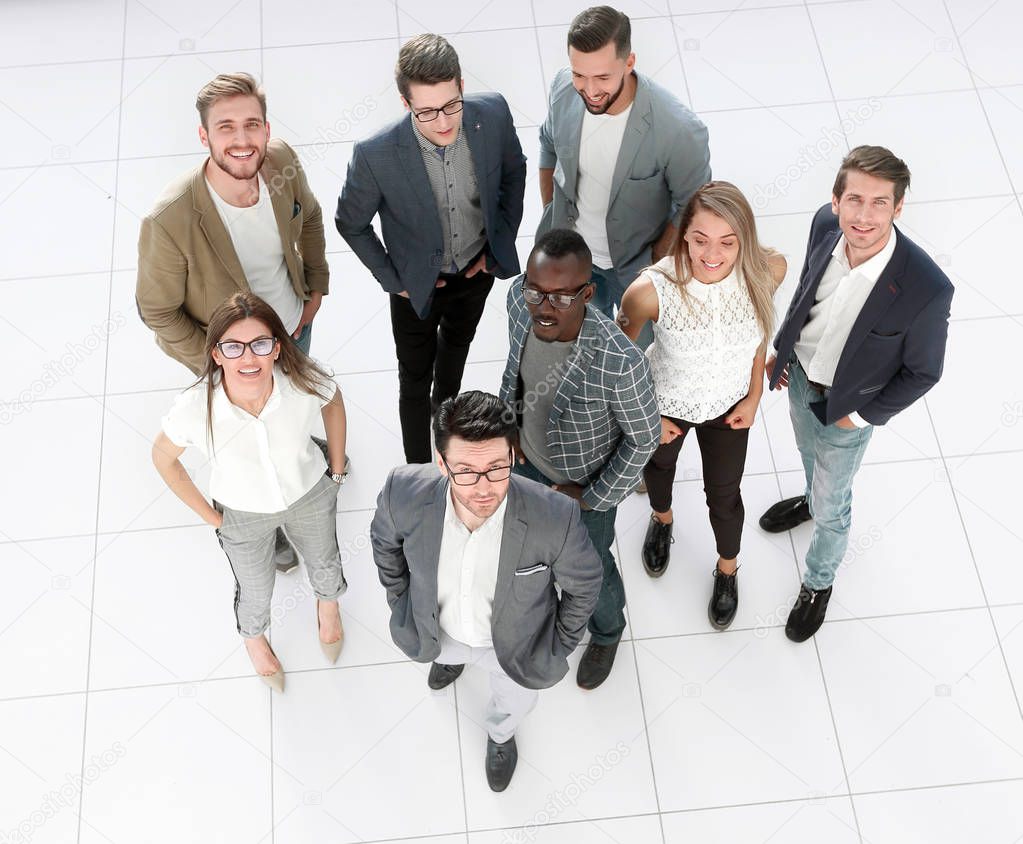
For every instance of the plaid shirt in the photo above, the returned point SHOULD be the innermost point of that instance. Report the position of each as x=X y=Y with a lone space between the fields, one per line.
x=604 y=424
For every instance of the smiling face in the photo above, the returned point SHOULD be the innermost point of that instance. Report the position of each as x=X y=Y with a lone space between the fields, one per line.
x=866 y=211
x=484 y=497
x=444 y=129
x=236 y=136
x=250 y=374
x=713 y=246
x=566 y=275
x=601 y=78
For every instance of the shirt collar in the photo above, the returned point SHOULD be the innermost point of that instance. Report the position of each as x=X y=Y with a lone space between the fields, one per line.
x=701 y=291
x=222 y=404
x=872 y=268
x=451 y=517
x=427 y=146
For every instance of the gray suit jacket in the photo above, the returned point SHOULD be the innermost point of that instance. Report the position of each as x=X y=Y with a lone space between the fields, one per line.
x=544 y=542
x=663 y=159
x=386 y=176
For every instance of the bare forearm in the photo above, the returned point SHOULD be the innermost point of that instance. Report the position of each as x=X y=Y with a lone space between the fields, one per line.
x=663 y=243
x=181 y=484
x=336 y=426
x=546 y=184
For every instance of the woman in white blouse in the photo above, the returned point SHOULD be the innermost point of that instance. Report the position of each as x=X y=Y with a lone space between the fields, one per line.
x=252 y=413
x=711 y=301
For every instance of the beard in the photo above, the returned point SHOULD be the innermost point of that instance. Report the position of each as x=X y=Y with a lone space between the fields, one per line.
x=241 y=170
x=610 y=100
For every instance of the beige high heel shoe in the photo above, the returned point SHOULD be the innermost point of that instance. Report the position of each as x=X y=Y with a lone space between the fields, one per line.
x=276 y=680
x=332 y=650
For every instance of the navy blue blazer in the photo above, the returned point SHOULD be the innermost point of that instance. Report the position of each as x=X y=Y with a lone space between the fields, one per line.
x=896 y=349
x=387 y=176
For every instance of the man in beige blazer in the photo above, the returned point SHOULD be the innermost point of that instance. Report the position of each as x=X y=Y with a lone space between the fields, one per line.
x=244 y=220
x=211 y=233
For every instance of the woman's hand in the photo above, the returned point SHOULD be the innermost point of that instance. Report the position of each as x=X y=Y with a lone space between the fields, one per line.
x=669 y=430
x=215 y=519
x=743 y=413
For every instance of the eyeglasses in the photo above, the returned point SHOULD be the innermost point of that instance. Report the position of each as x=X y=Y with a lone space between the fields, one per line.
x=498 y=473
x=261 y=346
x=561 y=301
x=428 y=114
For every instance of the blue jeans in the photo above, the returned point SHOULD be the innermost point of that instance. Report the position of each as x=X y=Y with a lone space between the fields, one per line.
x=607 y=623
x=831 y=457
x=305 y=339
x=608 y=295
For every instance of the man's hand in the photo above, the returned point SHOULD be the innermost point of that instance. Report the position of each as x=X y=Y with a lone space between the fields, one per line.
x=783 y=380
x=744 y=413
x=669 y=430
x=572 y=491
x=308 y=312
x=845 y=423
x=479 y=267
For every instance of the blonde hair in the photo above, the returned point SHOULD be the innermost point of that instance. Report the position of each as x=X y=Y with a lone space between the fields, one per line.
x=725 y=200
x=228 y=85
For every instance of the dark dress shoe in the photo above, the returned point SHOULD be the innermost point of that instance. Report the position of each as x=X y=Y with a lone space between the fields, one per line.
x=443 y=675
x=724 y=600
x=285 y=558
x=595 y=665
x=657 y=547
x=807 y=615
x=786 y=514
x=500 y=764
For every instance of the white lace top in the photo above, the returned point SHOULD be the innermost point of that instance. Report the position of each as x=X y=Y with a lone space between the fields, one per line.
x=703 y=348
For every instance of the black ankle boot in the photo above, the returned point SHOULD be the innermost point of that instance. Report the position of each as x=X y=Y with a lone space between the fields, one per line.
x=657 y=547
x=807 y=615
x=724 y=600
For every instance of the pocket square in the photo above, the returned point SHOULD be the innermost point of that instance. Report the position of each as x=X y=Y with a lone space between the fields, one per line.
x=532 y=569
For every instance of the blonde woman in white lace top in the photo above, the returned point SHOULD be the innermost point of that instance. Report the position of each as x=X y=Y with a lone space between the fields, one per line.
x=711 y=304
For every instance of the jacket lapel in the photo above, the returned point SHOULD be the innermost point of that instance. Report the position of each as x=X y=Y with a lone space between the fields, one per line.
x=213 y=227
x=411 y=158
x=513 y=540
x=283 y=203
x=635 y=128
x=476 y=138
x=567 y=144
x=819 y=261
x=578 y=363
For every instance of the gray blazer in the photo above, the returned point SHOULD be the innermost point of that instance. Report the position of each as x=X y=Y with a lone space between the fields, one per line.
x=663 y=159
x=386 y=176
x=544 y=543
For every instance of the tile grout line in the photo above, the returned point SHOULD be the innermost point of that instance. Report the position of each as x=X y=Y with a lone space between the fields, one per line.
x=102 y=430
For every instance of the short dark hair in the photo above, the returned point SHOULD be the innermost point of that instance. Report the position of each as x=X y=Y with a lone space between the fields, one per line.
x=874 y=161
x=473 y=416
x=559 y=243
x=592 y=28
x=426 y=60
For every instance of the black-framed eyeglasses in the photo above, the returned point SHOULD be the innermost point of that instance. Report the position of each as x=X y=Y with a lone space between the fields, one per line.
x=428 y=114
x=561 y=301
x=497 y=473
x=261 y=346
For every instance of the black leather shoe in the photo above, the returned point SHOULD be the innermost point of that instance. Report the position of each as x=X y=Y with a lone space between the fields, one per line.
x=500 y=764
x=724 y=600
x=443 y=675
x=595 y=665
x=807 y=615
x=657 y=547
x=285 y=558
x=786 y=514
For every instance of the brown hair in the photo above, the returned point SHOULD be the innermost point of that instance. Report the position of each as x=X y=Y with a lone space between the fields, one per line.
x=592 y=28
x=726 y=201
x=426 y=60
x=874 y=161
x=228 y=85
x=304 y=373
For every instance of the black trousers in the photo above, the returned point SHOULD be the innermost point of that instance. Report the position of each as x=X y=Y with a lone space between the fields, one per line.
x=432 y=352
x=723 y=451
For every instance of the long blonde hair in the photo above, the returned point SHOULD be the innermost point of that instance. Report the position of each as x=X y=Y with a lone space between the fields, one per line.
x=726 y=201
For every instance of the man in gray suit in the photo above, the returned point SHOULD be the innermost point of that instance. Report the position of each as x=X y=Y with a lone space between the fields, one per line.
x=620 y=156
x=447 y=182
x=470 y=557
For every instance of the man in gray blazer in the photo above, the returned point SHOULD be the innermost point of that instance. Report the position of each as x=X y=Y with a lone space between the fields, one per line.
x=470 y=557
x=620 y=156
x=447 y=181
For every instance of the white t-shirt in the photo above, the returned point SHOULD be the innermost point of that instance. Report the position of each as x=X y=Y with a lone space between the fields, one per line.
x=599 y=144
x=260 y=464
x=257 y=241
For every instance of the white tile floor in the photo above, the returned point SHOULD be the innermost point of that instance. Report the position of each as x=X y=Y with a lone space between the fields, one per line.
x=127 y=709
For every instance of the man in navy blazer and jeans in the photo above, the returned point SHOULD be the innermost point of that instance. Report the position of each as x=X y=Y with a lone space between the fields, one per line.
x=863 y=339
x=447 y=181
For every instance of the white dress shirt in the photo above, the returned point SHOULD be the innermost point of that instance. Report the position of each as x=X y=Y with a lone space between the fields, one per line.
x=599 y=145
x=840 y=298
x=467 y=576
x=260 y=464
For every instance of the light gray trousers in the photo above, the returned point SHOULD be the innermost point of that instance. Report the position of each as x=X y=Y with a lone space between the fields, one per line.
x=509 y=702
x=248 y=541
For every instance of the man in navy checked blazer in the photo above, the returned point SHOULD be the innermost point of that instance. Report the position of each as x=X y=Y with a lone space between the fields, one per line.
x=447 y=181
x=587 y=418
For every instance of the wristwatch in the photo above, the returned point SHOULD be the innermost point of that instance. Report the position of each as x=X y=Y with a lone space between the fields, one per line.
x=340 y=479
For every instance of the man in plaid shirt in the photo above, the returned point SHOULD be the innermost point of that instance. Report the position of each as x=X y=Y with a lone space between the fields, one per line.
x=586 y=413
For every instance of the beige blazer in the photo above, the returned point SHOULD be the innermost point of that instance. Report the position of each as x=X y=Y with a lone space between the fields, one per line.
x=188 y=265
